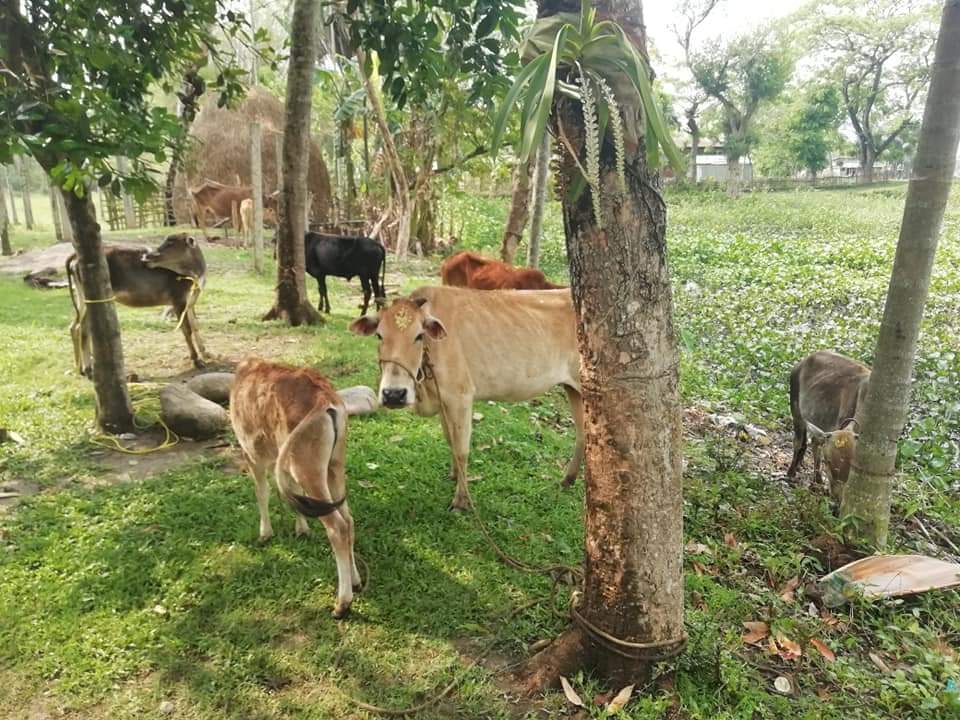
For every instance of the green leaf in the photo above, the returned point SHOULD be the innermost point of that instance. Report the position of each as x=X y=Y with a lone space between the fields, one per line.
x=533 y=133
x=500 y=123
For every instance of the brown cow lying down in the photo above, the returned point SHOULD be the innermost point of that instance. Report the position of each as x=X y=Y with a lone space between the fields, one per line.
x=293 y=419
x=467 y=269
x=826 y=389
x=442 y=348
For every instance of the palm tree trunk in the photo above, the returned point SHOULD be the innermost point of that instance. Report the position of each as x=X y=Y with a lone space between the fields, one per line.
x=519 y=212
x=539 y=202
x=114 y=413
x=633 y=586
x=867 y=494
x=292 y=304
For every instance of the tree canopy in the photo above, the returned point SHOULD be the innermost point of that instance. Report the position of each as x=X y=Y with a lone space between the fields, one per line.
x=800 y=134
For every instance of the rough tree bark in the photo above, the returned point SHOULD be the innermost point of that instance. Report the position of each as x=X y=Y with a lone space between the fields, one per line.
x=25 y=191
x=56 y=214
x=539 y=201
x=633 y=587
x=189 y=98
x=693 y=127
x=733 y=177
x=884 y=413
x=519 y=211
x=114 y=413
x=401 y=187
x=292 y=304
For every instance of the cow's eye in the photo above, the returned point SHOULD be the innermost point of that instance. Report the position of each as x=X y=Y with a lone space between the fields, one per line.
x=418 y=338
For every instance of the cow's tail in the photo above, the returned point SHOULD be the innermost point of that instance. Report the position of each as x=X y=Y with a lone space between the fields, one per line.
x=304 y=504
x=69 y=269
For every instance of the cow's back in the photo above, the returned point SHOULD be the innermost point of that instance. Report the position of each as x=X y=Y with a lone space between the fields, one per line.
x=833 y=387
x=458 y=269
x=506 y=345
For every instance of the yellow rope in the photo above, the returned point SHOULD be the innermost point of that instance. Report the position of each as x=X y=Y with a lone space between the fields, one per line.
x=110 y=442
x=112 y=298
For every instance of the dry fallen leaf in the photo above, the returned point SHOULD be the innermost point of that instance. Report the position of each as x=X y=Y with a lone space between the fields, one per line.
x=571 y=694
x=822 y=648
x=823 y=694
x=756 y=631
x=789 y=650
x=621 y=699
x=787 y=591
x=695 y=548
x=730 y=540
x=878 y=661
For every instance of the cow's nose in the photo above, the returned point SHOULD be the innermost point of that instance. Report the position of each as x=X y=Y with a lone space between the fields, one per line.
x=394 y=396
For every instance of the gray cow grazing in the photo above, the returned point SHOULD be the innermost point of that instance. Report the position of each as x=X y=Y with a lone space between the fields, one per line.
x=826 y=389
x=173 y=275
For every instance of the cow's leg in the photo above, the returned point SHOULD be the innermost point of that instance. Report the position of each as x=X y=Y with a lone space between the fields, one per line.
x=576 y=409
x=186 y=319
x=447 y=437
x=378 y=293
x=365 y=284
x=323 y=304
x=459 y=412
x=356 y=580
x=817 y=457
x=799 y=446
x=339 y=534
x=86 y=351
x=262 y=489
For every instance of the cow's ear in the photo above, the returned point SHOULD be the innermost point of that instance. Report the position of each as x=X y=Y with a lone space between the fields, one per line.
x=434 y=328
x=365 y=325
x=421 y=301
x=191 y=241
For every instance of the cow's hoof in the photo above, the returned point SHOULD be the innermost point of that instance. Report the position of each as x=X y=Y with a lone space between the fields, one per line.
x=568 y=481
x=199 y=364
x=341 y=610
x=265 y=537
x=459 y=506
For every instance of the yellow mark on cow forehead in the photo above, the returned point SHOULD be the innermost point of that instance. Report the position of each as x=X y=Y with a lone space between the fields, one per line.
x=402 y=319
x=840 y=441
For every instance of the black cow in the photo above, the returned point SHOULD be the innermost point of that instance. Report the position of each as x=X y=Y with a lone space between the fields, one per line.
x=346 y=256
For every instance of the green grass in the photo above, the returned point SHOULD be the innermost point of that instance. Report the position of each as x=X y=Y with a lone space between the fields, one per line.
x=116 y=597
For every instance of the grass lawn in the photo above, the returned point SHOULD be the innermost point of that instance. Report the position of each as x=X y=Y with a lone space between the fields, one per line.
x=127 y=582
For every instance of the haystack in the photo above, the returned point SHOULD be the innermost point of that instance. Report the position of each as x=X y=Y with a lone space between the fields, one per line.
x=221 y=152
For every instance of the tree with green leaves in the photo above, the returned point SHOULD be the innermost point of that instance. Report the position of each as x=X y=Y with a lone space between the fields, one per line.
x=588 y=81
x=73 y=101
x=742 y=75
x=879 y=51
x=800 y=134
x=866 y=496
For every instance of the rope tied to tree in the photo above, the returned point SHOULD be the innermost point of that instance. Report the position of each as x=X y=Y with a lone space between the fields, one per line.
x=88 y=301
x=658 y=649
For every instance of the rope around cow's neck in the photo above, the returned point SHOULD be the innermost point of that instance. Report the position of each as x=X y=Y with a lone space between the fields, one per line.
x=195 y=290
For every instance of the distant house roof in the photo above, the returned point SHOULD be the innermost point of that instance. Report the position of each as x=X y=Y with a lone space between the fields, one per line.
x=718 y=160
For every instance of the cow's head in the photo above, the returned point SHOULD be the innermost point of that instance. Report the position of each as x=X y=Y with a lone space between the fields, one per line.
x=179 y=254
x=403 y=330
x=837 y=448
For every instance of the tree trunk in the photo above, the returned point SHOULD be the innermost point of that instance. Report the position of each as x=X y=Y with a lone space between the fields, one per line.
x=733 y=177
x=633 y=586
x=540 y=184
x=9 y=192
x=346 y=148
x=694 y=152
x=5 y=248
x=23 y=174
x=292 y=304
x=129 y=212
x=519 y=212
x=884 y=412
x=61 y=220
x=867 y=158
x=256 y=180
x=114 y=413
x=56 y=214
x=401 y=186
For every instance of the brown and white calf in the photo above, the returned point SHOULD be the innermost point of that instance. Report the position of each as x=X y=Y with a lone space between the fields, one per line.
x=444 y=347
x=293 y=420
x=826 y=389
x=172 y=275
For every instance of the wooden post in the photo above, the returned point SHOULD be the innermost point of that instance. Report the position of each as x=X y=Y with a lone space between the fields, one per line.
x=130 y=216
x=256 y=166
x=5 y=248
x=55 y=213
x=24 y=191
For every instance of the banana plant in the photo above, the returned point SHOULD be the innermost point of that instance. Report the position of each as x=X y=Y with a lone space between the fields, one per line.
x=596 y=64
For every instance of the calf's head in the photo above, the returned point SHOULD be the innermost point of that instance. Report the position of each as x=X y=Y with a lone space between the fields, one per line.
x=837 y=449
x=179 y=254
x=403 y=329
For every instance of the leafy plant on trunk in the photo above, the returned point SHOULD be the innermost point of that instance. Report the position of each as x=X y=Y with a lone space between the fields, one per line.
x=867 y=494
x=70 y=99
x=630 y=613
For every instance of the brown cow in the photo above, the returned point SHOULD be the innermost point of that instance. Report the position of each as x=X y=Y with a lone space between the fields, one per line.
x=293 y=419
x=826 y=390
x=467 y=269
x=173 y=275
x=442 y=348
x=499 y=276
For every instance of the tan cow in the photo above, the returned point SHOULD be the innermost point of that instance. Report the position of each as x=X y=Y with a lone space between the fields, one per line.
x=246 y=217
x=213 y=201
x=443 y=347
x=293 y=419
x=826 y=390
